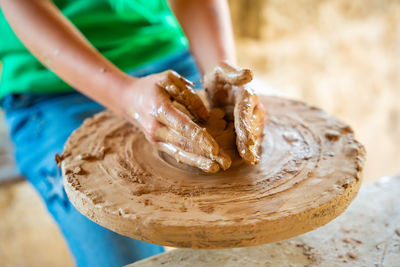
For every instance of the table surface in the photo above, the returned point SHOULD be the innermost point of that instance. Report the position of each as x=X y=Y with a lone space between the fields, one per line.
x=367 y=234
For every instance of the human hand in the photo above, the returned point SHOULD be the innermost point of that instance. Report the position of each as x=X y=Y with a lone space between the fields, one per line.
x=164 y=106
x=226 y=88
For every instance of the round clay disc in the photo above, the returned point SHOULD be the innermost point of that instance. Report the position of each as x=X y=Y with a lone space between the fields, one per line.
x=309 y=173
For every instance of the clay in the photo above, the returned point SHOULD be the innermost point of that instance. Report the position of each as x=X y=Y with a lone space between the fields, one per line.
x=367 y=226
x=305 y=178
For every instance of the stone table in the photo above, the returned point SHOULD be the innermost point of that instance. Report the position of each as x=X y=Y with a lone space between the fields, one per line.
x=367 y=234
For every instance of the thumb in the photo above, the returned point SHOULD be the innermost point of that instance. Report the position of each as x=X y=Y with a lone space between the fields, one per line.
x=227 y=73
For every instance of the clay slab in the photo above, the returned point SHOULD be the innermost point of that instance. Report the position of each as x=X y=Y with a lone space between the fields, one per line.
x=309 y=173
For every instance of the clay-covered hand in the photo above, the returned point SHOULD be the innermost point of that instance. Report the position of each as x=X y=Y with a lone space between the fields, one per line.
x=226 y=87
x=165 y=107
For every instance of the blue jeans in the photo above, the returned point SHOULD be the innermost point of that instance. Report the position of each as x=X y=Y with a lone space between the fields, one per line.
x=39 y=126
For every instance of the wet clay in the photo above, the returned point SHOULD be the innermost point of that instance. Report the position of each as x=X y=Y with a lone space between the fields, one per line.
x=309 y=172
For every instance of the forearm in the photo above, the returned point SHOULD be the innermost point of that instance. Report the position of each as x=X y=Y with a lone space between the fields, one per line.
x=57 y=44
x=208 y=28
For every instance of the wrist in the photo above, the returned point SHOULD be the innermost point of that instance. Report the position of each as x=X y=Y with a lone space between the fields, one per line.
x=118 y=93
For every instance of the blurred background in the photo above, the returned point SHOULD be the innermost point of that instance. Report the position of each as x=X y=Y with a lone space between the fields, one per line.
x=340 y=55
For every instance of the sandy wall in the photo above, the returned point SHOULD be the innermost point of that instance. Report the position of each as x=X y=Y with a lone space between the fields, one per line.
x=343 y=56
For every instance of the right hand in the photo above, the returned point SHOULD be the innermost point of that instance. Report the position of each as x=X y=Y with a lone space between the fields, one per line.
x=163 y=106
x=227 y=87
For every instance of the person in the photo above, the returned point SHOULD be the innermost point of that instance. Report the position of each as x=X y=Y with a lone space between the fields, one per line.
x=114 y=54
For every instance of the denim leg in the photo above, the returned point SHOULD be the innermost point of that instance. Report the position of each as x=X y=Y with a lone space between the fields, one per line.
x=39 y=132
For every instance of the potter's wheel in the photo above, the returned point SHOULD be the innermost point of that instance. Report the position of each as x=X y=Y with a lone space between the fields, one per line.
x=309 y=173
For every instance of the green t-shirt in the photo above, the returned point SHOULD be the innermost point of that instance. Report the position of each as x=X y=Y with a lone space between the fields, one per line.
x=129 y=33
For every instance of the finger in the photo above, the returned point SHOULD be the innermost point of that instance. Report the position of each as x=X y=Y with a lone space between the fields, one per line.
x=223 y=159
x=191 y=159
x=179 y=80
x=168 y=136
x=258 y=120
x=246 y=138
x=189 y=99
x=183 y=125
x=179 y=89
x=228 y=74
x=245 y=102
x=183 y=109
x=257 y=128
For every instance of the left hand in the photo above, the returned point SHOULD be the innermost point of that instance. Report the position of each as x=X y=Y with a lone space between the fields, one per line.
x=226 y=88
